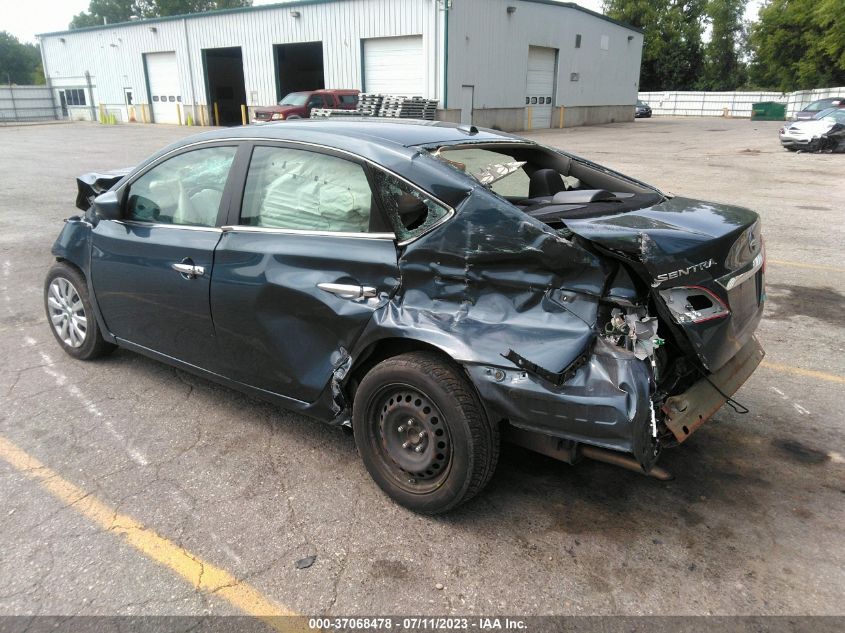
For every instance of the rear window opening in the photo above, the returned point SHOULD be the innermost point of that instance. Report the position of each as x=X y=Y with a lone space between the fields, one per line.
x=547 y=185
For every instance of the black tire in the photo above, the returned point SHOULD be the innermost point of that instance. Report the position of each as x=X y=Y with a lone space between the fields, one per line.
x=423 y=401
x=59 y=297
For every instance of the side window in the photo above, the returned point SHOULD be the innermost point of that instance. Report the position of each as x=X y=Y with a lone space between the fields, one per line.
x=186 y=189
x=411 y=212
x=308 y=191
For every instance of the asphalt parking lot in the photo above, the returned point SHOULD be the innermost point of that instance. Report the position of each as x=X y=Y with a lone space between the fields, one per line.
x=129 y=450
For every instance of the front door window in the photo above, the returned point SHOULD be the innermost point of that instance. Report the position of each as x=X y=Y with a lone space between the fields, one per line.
x=186 y=189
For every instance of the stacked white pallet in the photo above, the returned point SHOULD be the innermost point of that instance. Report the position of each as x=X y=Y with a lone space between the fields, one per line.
x=323 y=113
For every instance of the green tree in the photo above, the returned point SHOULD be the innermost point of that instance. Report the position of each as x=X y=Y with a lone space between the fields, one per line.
x=19 y=63
x=112 y=11
x=108 y=11
x=723 y=65
x=181 y=7
x=798 y=44
x=672 y=49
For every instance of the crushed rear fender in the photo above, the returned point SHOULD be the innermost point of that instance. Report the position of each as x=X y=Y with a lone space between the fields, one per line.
x=517 y=304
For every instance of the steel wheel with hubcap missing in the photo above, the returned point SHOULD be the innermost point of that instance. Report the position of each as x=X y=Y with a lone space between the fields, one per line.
x=67 y=314
x=70 y=315
x=415 y=442
x=423 y=435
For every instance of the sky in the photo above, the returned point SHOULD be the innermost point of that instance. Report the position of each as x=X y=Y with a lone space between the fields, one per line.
x=25 y=19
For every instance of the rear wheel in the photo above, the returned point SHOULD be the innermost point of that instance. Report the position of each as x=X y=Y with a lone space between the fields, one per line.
x=422 y=433
x=70 y=315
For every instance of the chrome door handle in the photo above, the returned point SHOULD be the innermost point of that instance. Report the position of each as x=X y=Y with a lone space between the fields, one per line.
x=348 y=291
x=188 y=271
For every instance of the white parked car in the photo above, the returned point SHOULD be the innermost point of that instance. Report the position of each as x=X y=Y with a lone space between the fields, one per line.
x=826 y=131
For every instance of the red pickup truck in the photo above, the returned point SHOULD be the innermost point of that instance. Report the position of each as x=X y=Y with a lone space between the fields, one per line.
x=298 y=105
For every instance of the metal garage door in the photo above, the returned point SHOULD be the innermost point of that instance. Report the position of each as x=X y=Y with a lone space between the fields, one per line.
x=394 y=65
x=163 y=78
x=540 y=86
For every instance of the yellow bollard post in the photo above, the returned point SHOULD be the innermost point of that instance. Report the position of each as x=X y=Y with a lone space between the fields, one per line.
x=216 y=115
x=102 y=114
x=243 y=114
x=561 y=117
x=179 y=112
x=144 y=112
x=530 y=115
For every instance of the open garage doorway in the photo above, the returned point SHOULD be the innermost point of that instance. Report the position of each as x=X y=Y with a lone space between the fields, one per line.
x=224 y=82
x=298 y=67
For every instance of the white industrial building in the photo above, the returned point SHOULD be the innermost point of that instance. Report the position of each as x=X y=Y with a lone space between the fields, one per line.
x=511 y=64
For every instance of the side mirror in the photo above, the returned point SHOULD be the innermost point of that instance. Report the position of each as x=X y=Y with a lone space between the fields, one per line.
x=107 y=206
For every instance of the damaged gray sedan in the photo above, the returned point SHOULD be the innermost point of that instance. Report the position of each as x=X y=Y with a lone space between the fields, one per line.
x=437 y=288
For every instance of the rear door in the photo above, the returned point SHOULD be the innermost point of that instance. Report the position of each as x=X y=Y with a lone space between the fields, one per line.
x=151 y=270
x=306 y=260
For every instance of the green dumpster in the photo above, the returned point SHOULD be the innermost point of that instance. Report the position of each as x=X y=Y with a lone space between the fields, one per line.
x=768 y=111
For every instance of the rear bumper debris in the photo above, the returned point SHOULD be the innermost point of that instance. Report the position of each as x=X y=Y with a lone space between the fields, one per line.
x=689 y=410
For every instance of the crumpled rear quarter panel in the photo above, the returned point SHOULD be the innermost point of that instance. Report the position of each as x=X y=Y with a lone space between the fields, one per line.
x=493 y=280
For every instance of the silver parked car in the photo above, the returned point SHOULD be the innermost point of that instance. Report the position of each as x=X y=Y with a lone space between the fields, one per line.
x=824 y=132
x=812 y=109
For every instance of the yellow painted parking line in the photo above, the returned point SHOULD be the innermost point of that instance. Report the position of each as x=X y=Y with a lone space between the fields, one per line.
x=783 y=262
x=800 y=371
x=199 y=573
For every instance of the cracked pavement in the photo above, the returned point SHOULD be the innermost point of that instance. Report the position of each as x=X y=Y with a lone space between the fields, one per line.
x=752 y=524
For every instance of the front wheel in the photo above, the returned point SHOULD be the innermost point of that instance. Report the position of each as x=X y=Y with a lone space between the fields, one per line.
x=70 y=315
x=422 y=434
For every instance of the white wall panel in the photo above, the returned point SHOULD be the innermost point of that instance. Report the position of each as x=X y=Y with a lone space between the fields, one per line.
x=114 y=55
x=734 y=104
x=488 y=47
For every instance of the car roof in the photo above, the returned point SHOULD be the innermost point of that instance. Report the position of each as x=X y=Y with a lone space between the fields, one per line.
x=826 y=100
x=323 y=90
x=341 y=132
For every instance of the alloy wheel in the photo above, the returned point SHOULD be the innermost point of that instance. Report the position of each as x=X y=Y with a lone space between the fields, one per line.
x=67 y=313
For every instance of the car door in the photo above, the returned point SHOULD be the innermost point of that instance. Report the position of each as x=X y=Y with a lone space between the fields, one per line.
x=298 y=275
x=314 y=101
x=151 y=269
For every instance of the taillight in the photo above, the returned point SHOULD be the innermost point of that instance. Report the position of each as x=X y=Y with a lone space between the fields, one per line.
x=693 y=304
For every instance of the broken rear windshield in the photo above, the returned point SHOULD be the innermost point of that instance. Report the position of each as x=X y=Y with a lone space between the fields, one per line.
x=510 y=177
